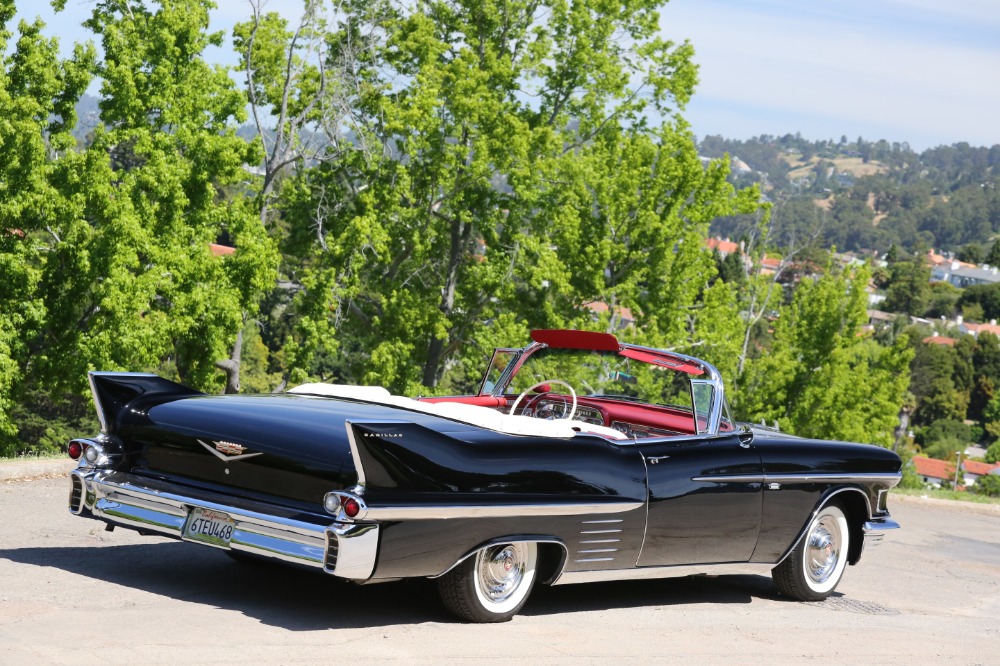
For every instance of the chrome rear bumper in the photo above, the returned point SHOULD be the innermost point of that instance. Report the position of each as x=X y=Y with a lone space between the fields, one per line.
x=343 y=549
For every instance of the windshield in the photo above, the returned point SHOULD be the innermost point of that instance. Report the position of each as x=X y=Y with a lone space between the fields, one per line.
x=604 y=374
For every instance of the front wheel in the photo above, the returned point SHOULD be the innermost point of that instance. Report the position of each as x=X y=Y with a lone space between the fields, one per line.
x=493 y=584
x=814 y=567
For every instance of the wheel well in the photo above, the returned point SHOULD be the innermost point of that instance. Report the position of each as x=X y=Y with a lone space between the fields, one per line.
x=551 y=559
x=855 y=508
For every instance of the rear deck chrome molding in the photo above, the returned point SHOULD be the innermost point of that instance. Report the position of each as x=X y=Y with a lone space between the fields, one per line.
x=442 y=512
x=646 y=573
x=148 y=506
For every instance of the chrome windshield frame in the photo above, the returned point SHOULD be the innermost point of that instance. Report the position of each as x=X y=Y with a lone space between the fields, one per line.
x=711 y=377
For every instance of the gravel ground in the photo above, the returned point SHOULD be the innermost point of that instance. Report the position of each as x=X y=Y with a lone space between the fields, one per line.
x=72 y=593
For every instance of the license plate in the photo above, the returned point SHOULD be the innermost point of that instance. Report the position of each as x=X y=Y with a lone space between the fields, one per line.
x=208 y=526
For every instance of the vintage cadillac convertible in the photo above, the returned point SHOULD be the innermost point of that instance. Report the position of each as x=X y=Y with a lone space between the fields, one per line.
x=580 y=458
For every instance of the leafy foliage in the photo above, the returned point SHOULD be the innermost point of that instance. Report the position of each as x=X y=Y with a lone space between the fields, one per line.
x=820 y=378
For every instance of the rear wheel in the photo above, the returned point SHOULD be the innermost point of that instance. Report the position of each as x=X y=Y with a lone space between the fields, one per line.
x=493 y=584
x=813 y=569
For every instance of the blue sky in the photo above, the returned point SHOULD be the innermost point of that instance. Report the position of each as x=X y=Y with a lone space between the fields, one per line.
x=923 y=71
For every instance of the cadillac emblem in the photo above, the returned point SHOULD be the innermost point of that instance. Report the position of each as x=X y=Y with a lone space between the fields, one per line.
x=228 y=451
x=229 y=448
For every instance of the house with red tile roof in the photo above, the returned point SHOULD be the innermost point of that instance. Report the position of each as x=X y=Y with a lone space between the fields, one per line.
x=973 y=469
x=939 y=340
x=934 y=472
x=621 y=317
x=221 y=250
x=723 y=247
x=975 y=329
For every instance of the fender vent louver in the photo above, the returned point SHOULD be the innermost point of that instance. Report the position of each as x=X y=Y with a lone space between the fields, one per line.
x=332 y=550
x=75 y=494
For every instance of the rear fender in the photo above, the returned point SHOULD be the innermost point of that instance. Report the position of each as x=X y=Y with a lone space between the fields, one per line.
x=114 y=390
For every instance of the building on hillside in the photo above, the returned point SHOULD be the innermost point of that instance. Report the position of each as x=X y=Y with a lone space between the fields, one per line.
x=939 y=340
x=221 y=250
x=769 y=266
x=878 y=319
x=621 y=317
x=723 y=247
x=934 y=472
x=975 y=329
x=963 y=275
x=973 y=469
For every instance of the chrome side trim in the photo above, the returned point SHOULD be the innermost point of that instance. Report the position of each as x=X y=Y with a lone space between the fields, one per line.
x=646 y=573
x=891 y=478
x=441 y=512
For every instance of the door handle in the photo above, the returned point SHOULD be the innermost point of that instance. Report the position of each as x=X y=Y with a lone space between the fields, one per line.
x=652 y=460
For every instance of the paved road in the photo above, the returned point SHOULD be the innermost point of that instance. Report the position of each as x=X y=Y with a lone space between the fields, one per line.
x=71 y=593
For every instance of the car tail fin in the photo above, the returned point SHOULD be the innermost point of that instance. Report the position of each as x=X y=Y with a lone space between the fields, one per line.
x=114 y=390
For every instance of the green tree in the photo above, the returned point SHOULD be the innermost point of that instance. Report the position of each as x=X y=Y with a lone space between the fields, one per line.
x=993 y=257
x=503 y=174
x=117 y=236
x=988 y=484
x=971 y=253
x=38 y=91
x=820 y=378
x=993 y=453
x=909 y=282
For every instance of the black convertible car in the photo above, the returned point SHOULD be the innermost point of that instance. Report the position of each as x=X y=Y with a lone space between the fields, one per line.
x=580 y=458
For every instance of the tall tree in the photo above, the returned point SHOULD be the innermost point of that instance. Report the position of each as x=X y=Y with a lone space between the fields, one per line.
x=504 y=174
x=820 y=378
x=114 y=240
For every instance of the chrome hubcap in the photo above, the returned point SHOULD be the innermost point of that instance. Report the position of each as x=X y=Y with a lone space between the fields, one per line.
x=823 y=550
x=499 y=571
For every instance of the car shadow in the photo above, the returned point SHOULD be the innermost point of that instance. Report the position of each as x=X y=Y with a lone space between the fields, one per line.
x=301 y=599
x=732 y=589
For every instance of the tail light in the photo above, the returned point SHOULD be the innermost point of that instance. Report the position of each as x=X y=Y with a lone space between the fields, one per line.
x=75 y=450
x=352 y=507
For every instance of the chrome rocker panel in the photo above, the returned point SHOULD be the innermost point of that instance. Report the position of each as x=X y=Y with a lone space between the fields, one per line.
x=346 y=550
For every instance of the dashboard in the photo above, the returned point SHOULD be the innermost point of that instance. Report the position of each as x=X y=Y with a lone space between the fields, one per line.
x=632 y=420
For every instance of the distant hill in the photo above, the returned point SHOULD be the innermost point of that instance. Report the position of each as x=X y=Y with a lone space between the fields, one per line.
x=868 y=195
x=855 y=195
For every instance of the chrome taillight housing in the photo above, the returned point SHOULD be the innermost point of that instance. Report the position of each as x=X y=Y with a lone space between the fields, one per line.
x=102 y=451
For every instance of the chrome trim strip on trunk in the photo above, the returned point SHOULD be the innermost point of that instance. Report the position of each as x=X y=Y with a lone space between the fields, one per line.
x=645 y=573
x=441 y=512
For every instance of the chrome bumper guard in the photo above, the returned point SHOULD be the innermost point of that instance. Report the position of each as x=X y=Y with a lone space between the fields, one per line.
x=874 y=530
x=346 y=550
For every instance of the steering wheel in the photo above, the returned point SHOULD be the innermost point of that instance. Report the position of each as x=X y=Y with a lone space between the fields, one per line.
x=572 y=412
